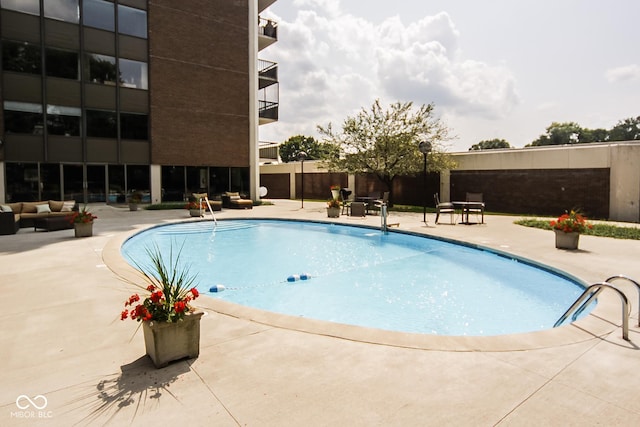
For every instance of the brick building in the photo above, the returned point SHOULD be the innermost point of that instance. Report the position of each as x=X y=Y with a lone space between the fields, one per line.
x=101 y=98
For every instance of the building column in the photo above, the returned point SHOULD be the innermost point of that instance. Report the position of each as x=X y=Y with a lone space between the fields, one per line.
x=254 y=152
x=156 y=183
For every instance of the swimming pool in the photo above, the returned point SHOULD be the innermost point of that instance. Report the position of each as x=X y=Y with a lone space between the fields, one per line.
x=360 y=276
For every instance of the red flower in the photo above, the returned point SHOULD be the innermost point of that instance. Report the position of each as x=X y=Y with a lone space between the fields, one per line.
x=124 y=314
x=151 y=288
x=156 y=296
x=179 y=306
x=195 y=293
x=133 y=298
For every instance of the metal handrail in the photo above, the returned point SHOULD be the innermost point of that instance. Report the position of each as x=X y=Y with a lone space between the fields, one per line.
x=589 y=294
x=622 y=276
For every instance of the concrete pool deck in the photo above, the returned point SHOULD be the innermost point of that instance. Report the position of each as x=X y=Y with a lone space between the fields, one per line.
x=64 y=346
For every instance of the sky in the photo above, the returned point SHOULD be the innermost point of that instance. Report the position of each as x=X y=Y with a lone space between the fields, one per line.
x=493 y=68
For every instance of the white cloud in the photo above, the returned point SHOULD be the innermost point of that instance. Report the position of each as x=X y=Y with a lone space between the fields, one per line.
x=621 y=74
x=332 y=63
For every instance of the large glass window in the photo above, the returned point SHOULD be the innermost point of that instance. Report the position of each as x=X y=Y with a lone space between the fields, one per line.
x=133 y=74
x=22 y=182
x=117 y=185
x=50 y=181
x=63 y=10
x=102 y=124
x=25 y=6
x=173 y=184
x=240 y=180
x=134 y=126
x=219 y=180
x=138 y=179
x=100 y=69
x=23 y=117
x=63 y=120
x=62 y=63
x=21 y=57
x=132 y=21
x=196 y=180
x=99 y=14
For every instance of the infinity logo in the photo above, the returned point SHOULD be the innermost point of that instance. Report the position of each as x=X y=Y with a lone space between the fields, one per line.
x=31 y=402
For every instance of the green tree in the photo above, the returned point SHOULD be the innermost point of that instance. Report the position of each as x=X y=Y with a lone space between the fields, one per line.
x=385 y=142
x=594 y=135
x=490 y=144
x=559 y=134
x=626 y=130
x=291 y=147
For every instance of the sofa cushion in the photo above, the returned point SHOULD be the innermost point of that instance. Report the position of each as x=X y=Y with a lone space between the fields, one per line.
x=233 y=195
x=55 y=205
x=16 y=207
x=5 y=208
x=30 y=207
x=43 y=208
x=67 y=205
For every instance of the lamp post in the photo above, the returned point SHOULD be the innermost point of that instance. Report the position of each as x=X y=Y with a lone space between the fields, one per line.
x=425 y=148
x=302 y=156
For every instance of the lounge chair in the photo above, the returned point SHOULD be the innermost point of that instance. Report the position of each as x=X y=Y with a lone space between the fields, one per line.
x=444 y=208
x=347 y=198
x=232 y=200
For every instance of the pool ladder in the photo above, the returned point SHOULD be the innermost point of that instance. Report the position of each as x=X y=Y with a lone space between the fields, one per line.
x=592 y=292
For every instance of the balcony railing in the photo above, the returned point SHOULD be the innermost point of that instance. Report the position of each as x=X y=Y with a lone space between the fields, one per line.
x=267 y=73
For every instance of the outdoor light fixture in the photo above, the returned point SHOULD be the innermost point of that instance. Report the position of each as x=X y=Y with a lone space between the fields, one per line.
x=302 y=156
x=425 y=148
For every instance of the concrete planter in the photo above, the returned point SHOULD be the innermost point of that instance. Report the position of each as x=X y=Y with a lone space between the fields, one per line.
x=168 y=342
x=333 y=212
x=133 y=206
x=567 y=240
x=195 y=212
x=83 y=229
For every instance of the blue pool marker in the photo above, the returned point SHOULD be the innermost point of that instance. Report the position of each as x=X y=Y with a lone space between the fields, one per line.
x=216 y=288
x=305 y=276
x=293 y=278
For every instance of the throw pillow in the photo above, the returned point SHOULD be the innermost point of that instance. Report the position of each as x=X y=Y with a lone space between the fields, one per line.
x=5 y=208
x=43 y=208
x=68 y=206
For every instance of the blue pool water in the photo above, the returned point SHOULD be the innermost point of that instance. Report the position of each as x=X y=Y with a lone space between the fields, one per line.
x=361 y=276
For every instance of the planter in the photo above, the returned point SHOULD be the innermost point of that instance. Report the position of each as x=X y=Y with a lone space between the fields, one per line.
x=333 y=212
x=168 y=342
x=195 y=212
x=83 y=229
x=133 y=206
x=566 y=240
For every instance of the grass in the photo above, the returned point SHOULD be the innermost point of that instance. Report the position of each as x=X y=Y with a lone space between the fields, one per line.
x=602 y=230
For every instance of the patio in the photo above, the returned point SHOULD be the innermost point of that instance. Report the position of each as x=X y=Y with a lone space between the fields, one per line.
x=62 y=339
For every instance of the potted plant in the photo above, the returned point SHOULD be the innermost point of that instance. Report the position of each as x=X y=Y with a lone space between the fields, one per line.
x=568 y=228
x=335 y=191
x=333 y=208
x=170 y=324
x=196 y=209
x=82 y=221
x=135 y=198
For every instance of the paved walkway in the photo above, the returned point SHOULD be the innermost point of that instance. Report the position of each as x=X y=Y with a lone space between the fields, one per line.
x=63 y=345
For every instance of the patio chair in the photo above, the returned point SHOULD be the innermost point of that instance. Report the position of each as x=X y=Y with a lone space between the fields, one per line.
x=377 y=204
x=357 y=209
x=347 y=199
x=478 y=205
x=444 y=208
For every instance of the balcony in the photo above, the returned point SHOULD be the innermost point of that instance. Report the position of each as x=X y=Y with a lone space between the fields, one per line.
x=267 y=33
x=263 y=4
x=268 y=104
x=267 y=73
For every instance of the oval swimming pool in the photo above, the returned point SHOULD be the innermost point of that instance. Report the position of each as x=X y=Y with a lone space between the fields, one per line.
x=360 y=276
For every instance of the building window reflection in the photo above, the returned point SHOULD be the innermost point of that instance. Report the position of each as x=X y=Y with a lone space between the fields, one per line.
x=62 y=63
x=63 y=120
x=23 y=117
x=63 y=10
x=98 y=14
x=133 y=74
x=102 y=124
x=25 y=6
x=101 y=69
x=132 y=21
x=21 y=57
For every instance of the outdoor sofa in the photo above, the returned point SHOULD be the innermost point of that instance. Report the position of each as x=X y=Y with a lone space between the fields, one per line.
x=49 y=215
